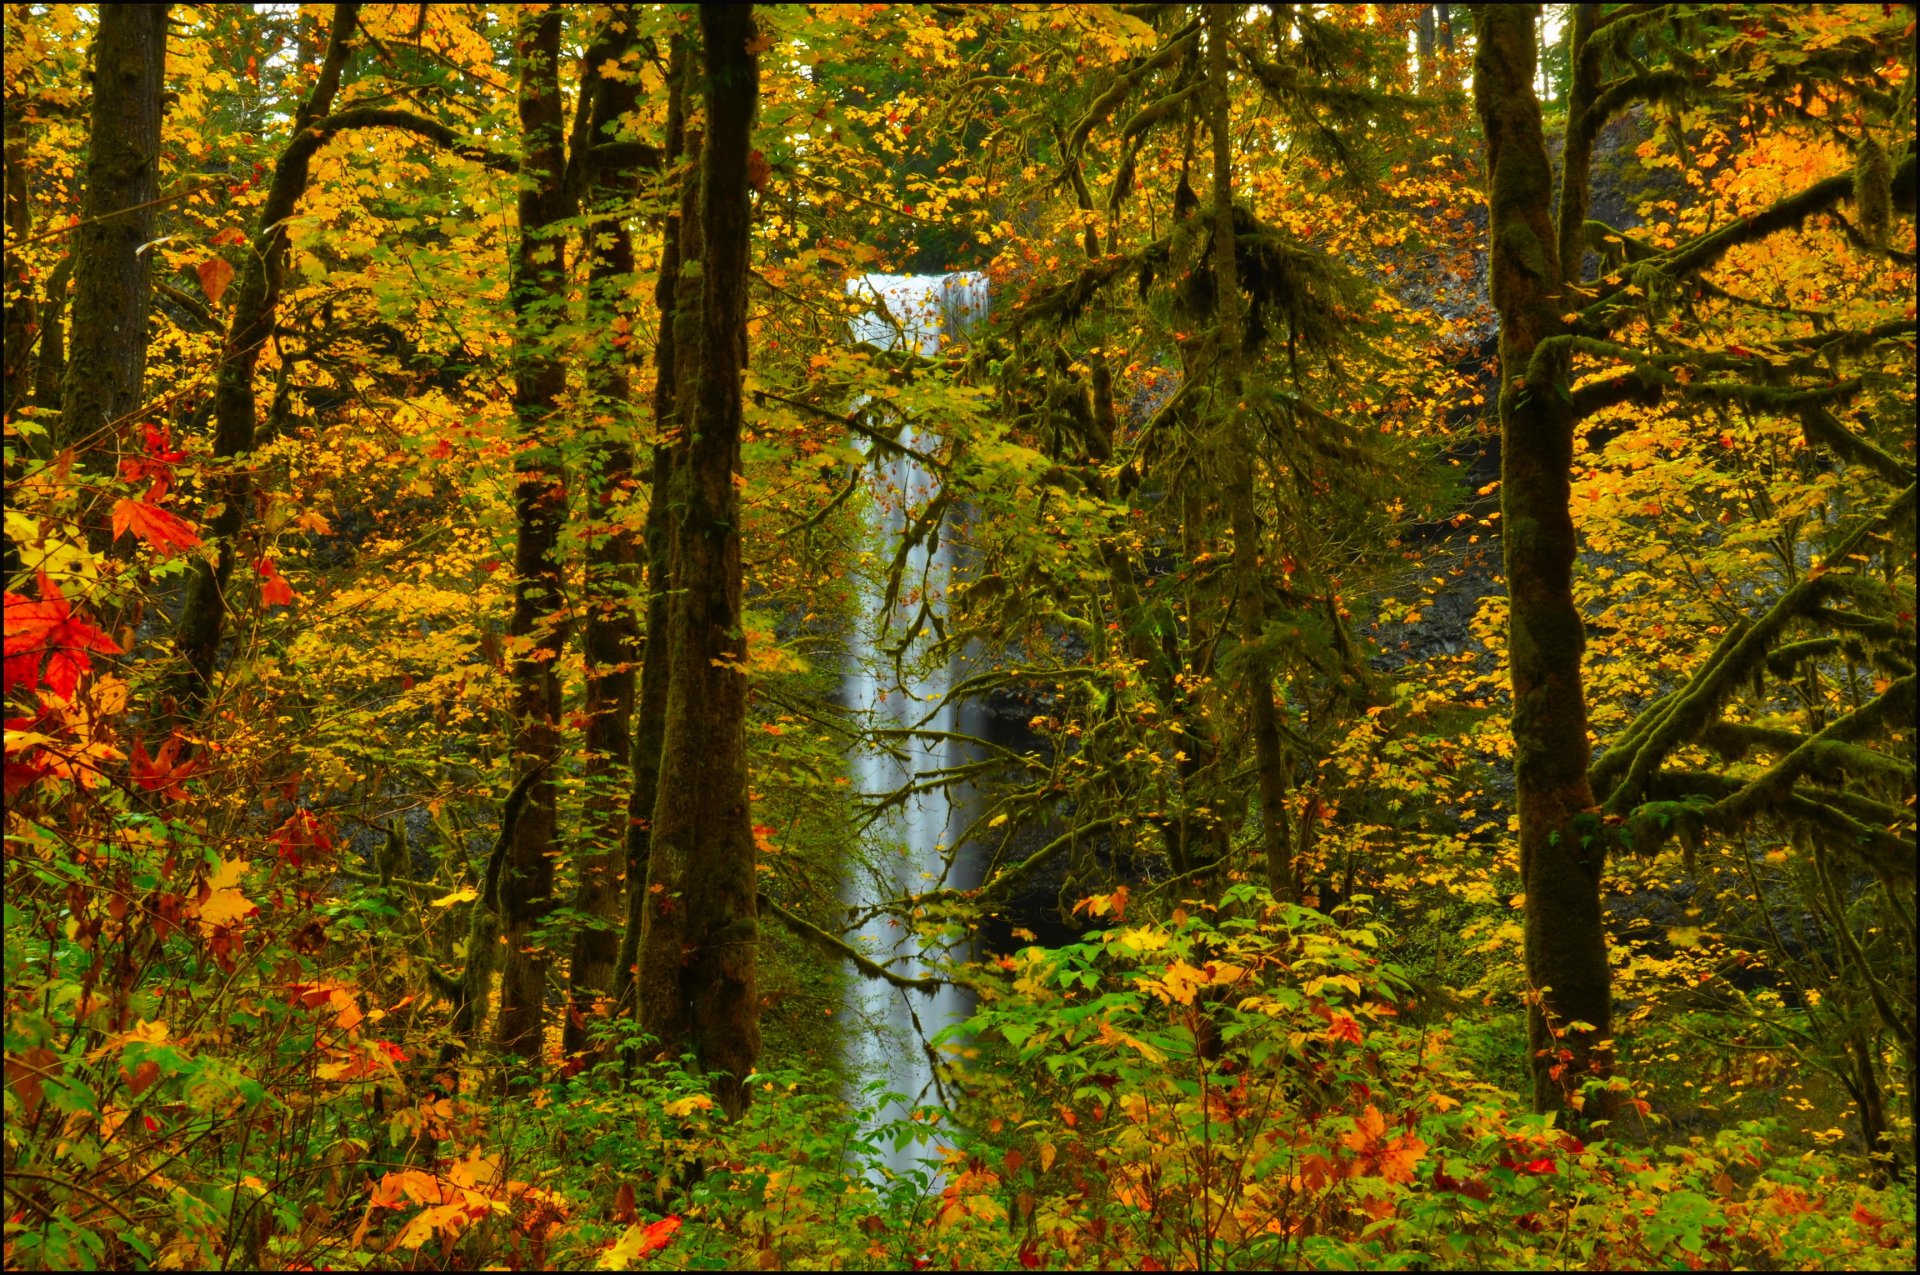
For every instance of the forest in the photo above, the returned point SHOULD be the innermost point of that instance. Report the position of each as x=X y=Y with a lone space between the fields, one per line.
x=959 y=636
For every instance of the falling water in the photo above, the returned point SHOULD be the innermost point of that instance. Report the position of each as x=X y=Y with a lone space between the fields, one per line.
x=891 y=1026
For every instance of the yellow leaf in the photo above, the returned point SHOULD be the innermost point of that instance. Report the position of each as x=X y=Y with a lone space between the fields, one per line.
x=688 y=1105
x=225 y=907
x=461 y=895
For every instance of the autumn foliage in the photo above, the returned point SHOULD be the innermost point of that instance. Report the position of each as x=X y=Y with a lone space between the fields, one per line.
x=1419 y=533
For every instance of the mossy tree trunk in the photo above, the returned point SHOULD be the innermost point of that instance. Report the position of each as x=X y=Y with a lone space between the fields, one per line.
x=650 y=709
x=1237 y=452
x=701 y=824
x=22 y=312
x=112 y=279
x=1560 y=856
x=610 y=636
x=538 y=627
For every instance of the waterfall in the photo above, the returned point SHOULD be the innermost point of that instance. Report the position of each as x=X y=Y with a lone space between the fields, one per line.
x=913 y=311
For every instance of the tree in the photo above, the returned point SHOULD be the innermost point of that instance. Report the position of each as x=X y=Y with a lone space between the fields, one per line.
x=610 y=636
x=107 y=337
x=522 y=886
x=1558 y=322
x=701 y=992
x=253 y=312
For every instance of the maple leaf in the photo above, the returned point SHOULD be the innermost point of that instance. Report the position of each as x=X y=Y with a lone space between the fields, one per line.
x=156 y=465
x=49 y=628
x=23 y=767
x=153 y=524
x=638 y=1241
x=164 y=771
x=687 y=1106
x=225 y=907
x=298 y=835
x=274 y=590
x=215 y=274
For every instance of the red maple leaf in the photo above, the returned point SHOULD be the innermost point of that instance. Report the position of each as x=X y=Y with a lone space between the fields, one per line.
x=658 y=1234
x=274 y=590
x=298 y=835
x=25 y=763
x=49 y=628
x=153 y=524
x=157 y=464
x=165 y=771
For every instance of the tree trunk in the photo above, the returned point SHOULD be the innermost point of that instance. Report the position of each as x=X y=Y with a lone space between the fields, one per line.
x=21 y=311
x=1423 y=49
x=701 y=817
x=538 y=630
x=1256 y=666
x=610 y=638
x=107 y=338
x=649 y=727
x=255 y=298
x=1561 y=852
x=50 y=352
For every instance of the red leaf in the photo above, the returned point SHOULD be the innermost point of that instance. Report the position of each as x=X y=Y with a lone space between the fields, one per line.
x=300 y=834
x=49 y=628
x=274 y=591
x=231 y=234
x=659 y=1234
x=152 y=524
x=164 y=771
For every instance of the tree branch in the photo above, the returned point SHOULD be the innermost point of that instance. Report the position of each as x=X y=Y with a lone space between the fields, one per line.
x=834 y=945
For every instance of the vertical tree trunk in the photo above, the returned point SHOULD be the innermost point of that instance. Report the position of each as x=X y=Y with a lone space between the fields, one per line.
x=1423 y=49
x=255 y=301
x=1256 y=666
x=21 y=311
x=701 y=817
x=107 y=339
x=50 y=351
x=1561 y=853
x=610 y=638
x=649 y=726
x=664 y=1013
x=538 y=629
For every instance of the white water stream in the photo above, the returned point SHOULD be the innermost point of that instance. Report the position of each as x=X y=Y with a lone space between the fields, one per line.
x=890 y=1026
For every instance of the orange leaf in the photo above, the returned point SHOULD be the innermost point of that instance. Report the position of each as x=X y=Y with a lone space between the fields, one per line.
x=215 y=274
x=153 y=524
x=163 y=771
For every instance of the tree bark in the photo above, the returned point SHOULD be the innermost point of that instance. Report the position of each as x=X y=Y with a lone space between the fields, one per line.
x=701 y=820
x=610 y=637
x=538 y=630
x=1423 y=49
x=649 y=726
x=112 y=284
x=1561 y=850
x=1256 y=666
x=21 y=311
